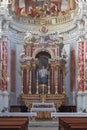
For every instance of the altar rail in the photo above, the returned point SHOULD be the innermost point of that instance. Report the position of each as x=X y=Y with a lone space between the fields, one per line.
x=63 y=18
x=16 y=114
x=71 y=121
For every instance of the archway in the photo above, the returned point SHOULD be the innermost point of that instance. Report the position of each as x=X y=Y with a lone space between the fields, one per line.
x=43 y=59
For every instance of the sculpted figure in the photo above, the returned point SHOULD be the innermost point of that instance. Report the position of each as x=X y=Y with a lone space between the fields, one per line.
x=28 y=37
x=43 y=75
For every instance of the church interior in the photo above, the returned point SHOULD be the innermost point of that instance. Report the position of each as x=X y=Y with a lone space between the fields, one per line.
x=43 y=56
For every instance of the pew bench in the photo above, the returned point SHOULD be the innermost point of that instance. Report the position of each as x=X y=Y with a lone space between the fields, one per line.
x=14 y=123
x=72 y=123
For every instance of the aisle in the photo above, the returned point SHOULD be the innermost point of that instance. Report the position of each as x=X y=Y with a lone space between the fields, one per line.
x=43 y=125
x=43 y=128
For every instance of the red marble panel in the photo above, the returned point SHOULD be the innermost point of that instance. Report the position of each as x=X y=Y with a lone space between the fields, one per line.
x=72 y=70
x=13 y=61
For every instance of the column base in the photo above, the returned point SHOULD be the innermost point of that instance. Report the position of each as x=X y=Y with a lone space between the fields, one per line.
x=5 y=100
x=85 y=102
x=1 y=100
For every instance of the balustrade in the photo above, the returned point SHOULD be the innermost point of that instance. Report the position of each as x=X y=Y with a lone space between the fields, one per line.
x=60 y=19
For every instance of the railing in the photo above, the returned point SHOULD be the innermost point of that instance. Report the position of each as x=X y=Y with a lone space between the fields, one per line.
x=68 y=114
x=16 y=114
x=60 y=19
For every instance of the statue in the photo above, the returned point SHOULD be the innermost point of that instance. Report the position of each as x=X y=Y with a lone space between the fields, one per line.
x=43 y=75
x=28 y=37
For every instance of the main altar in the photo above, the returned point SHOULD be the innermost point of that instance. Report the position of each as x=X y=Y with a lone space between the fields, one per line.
x=43 y=110
x=43 y=62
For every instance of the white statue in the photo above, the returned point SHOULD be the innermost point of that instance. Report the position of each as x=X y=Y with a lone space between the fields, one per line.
x=43 y=75
x=28 y=37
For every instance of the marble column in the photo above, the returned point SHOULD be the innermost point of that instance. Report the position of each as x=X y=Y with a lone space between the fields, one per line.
x=37 y=84
x=29 y=81
x=80 y=94
x=34 y=83
x=49 y=82
x=61 y=80
x=81 y=66
x=25 y=80
x=56 y=87
x=85 y=78
x=52 y=79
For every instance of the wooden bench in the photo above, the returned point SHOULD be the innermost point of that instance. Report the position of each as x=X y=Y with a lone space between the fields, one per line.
x=72 y=123
x=14 y=123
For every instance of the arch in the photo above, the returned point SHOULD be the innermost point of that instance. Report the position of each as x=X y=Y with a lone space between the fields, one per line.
x=37 y=51
x=43 y=59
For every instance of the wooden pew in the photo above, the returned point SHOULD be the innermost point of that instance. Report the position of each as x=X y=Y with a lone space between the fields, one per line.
x=14 y=123
x=72 y=123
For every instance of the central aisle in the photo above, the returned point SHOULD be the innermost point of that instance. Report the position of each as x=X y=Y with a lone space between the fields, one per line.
x=43 y=125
